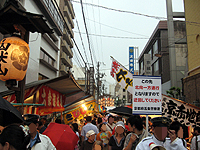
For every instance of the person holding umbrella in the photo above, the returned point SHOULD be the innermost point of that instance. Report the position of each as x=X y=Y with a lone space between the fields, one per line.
x=37 y=141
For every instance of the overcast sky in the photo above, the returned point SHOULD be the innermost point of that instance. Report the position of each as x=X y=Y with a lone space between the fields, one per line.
x=112 y=32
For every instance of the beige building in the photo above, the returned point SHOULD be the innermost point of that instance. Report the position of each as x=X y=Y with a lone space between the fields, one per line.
x=192 y=81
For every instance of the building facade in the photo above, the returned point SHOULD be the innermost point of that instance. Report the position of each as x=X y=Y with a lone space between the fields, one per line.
x=50 y=54
x=154 y=59
x=192 y=81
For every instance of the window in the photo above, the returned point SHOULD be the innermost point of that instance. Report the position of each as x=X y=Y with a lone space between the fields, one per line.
x=124 y=96
x=124 y=90
x=46 y=57
x=156 y=66
x=148 y=68
x=148 y=62
x=155 y=47
x=42 y=77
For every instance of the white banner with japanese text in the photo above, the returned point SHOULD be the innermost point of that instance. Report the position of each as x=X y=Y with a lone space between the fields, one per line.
x=122 y=75
x=147 y=95
x=183 y=112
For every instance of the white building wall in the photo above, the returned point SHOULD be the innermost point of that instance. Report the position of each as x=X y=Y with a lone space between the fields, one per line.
x=36 y=41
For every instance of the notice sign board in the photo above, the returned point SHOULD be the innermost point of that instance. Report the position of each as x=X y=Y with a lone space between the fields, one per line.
x=147 y=96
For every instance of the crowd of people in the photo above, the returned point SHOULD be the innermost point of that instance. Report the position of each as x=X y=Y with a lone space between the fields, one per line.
x=117 y=133
x=99 y=132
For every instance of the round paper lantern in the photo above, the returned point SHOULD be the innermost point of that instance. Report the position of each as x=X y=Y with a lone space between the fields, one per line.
x=14 y=58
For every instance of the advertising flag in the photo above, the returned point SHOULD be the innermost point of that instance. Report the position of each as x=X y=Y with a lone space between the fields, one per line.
x=122 y=75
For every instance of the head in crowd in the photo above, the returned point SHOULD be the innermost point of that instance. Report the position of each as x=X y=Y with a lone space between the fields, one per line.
x=88 y=119
x=98 y=145
x=43 y=120
x=94 y=122
x=95 y=116
x=160 y=127
x=119 y=130
x=177 y=127
x=58 y=121
x=135 y=123
x=12 y=138
x=99 y=120
x=196 y=131
x=74 y=127
x=31 y=121
x=40 y=125
x=91 y=136
x=102 y=127
x=111 y=119
x=119 y=118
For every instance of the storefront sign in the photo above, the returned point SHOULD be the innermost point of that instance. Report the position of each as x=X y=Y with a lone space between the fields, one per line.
x=131 y=59
x=147 y=95
x=80 y=112
x=177 y=110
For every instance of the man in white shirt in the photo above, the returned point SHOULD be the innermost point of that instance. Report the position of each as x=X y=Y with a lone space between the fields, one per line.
x=159 y=137
x=37 y=141
x=89 y=126
x=195 y=143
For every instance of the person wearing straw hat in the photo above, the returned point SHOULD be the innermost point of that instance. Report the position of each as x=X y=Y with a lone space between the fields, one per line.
x=159 y=139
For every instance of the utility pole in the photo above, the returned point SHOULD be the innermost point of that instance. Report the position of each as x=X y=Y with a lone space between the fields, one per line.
x=86 y=77
x=98 y=81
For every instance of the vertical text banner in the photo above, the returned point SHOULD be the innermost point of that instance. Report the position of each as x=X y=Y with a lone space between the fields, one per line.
x=147 y=96
x=122 y=75
x=131 y=59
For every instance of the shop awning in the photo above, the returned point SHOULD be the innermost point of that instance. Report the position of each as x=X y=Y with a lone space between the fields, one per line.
x=65 y=84
x=53 y=93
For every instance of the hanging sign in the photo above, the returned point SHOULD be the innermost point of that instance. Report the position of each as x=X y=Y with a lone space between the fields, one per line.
x=52 y=100
x=183 y=112
x=147 y=95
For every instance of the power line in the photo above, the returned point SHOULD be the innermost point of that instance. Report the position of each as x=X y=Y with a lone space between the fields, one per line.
x=118 y=10
x=116 y=28
x=110 y=36
x=81 y=40
x=130 y=12
x=78 y=50
x=100 y=33
x=86 y=32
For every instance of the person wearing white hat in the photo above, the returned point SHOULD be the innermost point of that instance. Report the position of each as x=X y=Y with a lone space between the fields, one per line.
x=116 y=141
x=88 y=144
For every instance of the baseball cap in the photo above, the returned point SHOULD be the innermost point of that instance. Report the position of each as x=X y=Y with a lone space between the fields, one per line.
x=89 y=133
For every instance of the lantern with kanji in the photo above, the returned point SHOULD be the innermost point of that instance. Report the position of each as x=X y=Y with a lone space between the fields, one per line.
x=14 y=55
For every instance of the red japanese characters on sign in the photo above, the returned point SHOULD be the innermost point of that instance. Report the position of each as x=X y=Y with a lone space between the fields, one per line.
x=115 y=67
x=147 y=95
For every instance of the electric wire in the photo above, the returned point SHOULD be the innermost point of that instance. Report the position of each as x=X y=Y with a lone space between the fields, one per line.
x=100 y=34
x=97 y=46
x=81 y=40
x=124 y=11
x=130 y=12
x=117 y=28
x=86 y=32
